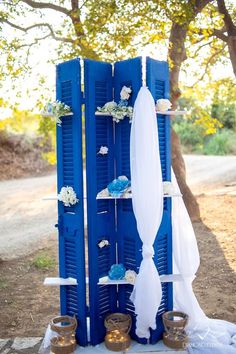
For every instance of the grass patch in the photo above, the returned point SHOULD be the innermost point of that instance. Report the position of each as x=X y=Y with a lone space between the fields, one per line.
x=44 y=262
x=3 y=284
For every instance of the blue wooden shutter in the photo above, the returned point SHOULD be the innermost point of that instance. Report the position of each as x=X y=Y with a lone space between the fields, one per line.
x=128 y=73
x=158 y=84
x=71 y=219
x=100 y=213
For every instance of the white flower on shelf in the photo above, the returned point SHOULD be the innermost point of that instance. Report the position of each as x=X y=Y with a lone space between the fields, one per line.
x=163 y=104
x=103 y=243
x=121 y=110
x=67 y=196
x=125 y=93
x=110 y=105
x=103 y=150
x=103 y=193
x=56 y=109
x=123 y=178
x=130 y=276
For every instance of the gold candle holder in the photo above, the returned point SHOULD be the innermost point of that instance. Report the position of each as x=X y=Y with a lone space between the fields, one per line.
x=175 y=336
x=64 y=342
x=118 y=326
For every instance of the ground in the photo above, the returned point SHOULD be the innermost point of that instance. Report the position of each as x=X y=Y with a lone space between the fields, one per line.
x=27 y=306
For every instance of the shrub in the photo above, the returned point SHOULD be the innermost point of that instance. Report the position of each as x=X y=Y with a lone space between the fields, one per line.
x=44 y=262
x=222 y=143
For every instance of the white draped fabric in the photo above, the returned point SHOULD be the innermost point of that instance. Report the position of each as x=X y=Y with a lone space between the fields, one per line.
x=205 y=335
x=147 y=199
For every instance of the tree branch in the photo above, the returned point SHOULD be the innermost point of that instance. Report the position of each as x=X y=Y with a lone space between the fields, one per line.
x=74 y=5
x=208 y=63
x=200 y=47
x=200 y=4
x=231 y=28
x=220 y=34
x=52 y=34
x=46 y=5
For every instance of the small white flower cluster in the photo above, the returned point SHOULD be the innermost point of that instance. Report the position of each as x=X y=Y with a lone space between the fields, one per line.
x=130 y=276
x=103 y=243
x=117 y=112
x=121 y=110
x=163 y=104
x=103 y=150
x=68 y=196
x=56 y=109
x=125 y=93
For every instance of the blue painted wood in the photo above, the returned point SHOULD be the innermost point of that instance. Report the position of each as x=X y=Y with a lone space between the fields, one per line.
x=157 y=76
x=128 y=73
x=71 y=219
x=100 y=213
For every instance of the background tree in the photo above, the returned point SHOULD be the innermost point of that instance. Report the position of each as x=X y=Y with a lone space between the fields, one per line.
x=202 y=30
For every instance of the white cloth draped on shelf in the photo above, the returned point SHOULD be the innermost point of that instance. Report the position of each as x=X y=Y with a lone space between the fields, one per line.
x=205 y=335
x=147 y=199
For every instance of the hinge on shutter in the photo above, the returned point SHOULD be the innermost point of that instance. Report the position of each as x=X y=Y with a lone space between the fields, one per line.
x=59 y=225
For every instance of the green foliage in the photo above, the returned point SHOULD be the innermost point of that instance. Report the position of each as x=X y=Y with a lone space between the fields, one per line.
x=222 y=143
x=225 y=113
x=191 y=136
x=21 y=122
x=44 y=262
x=47 y=129
x=224 y=106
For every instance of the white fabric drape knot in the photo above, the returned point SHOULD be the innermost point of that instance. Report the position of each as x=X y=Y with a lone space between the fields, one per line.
x=147 y=200
x=147 y=251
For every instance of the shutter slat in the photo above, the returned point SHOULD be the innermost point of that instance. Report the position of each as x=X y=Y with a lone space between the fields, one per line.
x=71 y=226
x=100 y=172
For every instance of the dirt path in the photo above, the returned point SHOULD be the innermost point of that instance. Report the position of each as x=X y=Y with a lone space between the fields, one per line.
x=26 y=221
x=211 y=174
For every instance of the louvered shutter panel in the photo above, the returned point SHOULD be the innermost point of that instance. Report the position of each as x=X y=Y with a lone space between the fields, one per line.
x=158 y=84
x=128 y=73
x=71 y=219
x=100 y=213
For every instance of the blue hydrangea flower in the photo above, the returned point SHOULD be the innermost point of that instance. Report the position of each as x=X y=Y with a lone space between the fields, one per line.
x=117 y=187
x=123 y=103
x=117 y=272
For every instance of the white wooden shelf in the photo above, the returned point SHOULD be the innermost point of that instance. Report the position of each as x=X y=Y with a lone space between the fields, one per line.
x=168 y=278
x=165 y=113
x=59 y=281
x=51 y=115
x=130 y=196
x=172 y=113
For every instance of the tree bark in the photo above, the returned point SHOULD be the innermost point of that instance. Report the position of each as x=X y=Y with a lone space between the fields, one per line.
x=231 y=31
x=177 y=55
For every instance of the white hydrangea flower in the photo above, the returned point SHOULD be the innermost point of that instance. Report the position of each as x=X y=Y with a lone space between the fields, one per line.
x=123 y=178
x=125 y=93
x=103 y=243
x=110 y=105
x=163 y=104
x=56 y=109
x=103 y=193
x=103 y=150
x=130 y=276
x=68 y=196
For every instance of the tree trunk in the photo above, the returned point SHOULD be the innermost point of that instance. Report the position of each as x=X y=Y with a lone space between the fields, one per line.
x=232 y=51
x=177 y=55
x=231 y=31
